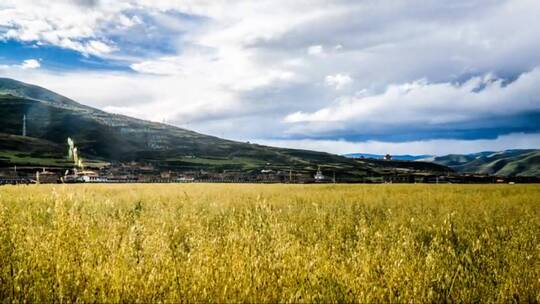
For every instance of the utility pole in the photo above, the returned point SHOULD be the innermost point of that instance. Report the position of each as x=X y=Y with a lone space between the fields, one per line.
x=24 y=126
x=290 y=175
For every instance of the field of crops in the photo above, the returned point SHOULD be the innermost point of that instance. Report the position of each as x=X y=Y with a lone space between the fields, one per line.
x=270 y=243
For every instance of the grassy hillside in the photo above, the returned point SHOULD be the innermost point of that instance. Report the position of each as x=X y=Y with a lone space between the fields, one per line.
x=504 y=163
x=524 y=165
x=25 y=151
x=407 y=165
x=25 y=90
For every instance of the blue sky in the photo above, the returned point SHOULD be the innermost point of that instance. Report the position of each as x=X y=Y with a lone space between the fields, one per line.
x=343 y=76
x=54 y=58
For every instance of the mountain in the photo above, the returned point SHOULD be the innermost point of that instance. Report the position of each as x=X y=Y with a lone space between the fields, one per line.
x=502 y=163
x=24 y=90
x=394 y=157
x=109 y=138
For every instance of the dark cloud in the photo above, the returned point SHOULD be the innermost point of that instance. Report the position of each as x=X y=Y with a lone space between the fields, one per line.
x=478 y=128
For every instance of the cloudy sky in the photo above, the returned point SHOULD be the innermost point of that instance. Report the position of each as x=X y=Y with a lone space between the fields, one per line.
x=418 y=76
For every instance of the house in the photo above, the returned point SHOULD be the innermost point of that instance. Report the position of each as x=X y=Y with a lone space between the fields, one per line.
x=84 y=177
x=46 y=177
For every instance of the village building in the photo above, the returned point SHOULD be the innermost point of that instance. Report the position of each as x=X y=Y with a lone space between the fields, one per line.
x=319 y=176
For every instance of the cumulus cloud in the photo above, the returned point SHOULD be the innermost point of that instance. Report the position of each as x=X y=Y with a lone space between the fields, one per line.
x=28 y=64
x=75 y=25
x=228 y=69
x=422 y=103
x=421 y=106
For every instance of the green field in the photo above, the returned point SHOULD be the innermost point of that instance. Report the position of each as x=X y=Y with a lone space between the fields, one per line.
x=270 y=243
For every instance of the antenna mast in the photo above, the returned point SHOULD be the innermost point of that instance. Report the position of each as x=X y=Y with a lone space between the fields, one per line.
x=24 y=126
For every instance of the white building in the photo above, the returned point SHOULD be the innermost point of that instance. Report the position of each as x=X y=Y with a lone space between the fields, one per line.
x=319 y=176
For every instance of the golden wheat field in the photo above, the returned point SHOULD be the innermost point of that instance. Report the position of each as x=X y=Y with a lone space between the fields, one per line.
x=270 y=243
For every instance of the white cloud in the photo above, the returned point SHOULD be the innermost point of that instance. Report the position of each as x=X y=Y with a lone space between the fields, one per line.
x=238 y=73
x=96 y=47
x=30 y=64
x=61 y=23
x=161 y=66
x=315 y=50
x=424 y=103
x=127 y=22
x=338 y=81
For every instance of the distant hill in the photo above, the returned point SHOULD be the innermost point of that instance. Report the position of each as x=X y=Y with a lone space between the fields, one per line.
x=502 y=163
x=103 y=137
x=394 y=157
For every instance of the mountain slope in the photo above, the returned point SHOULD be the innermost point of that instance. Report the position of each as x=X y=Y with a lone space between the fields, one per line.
x=503 y=163
x=52 y=118
x=24 y=90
